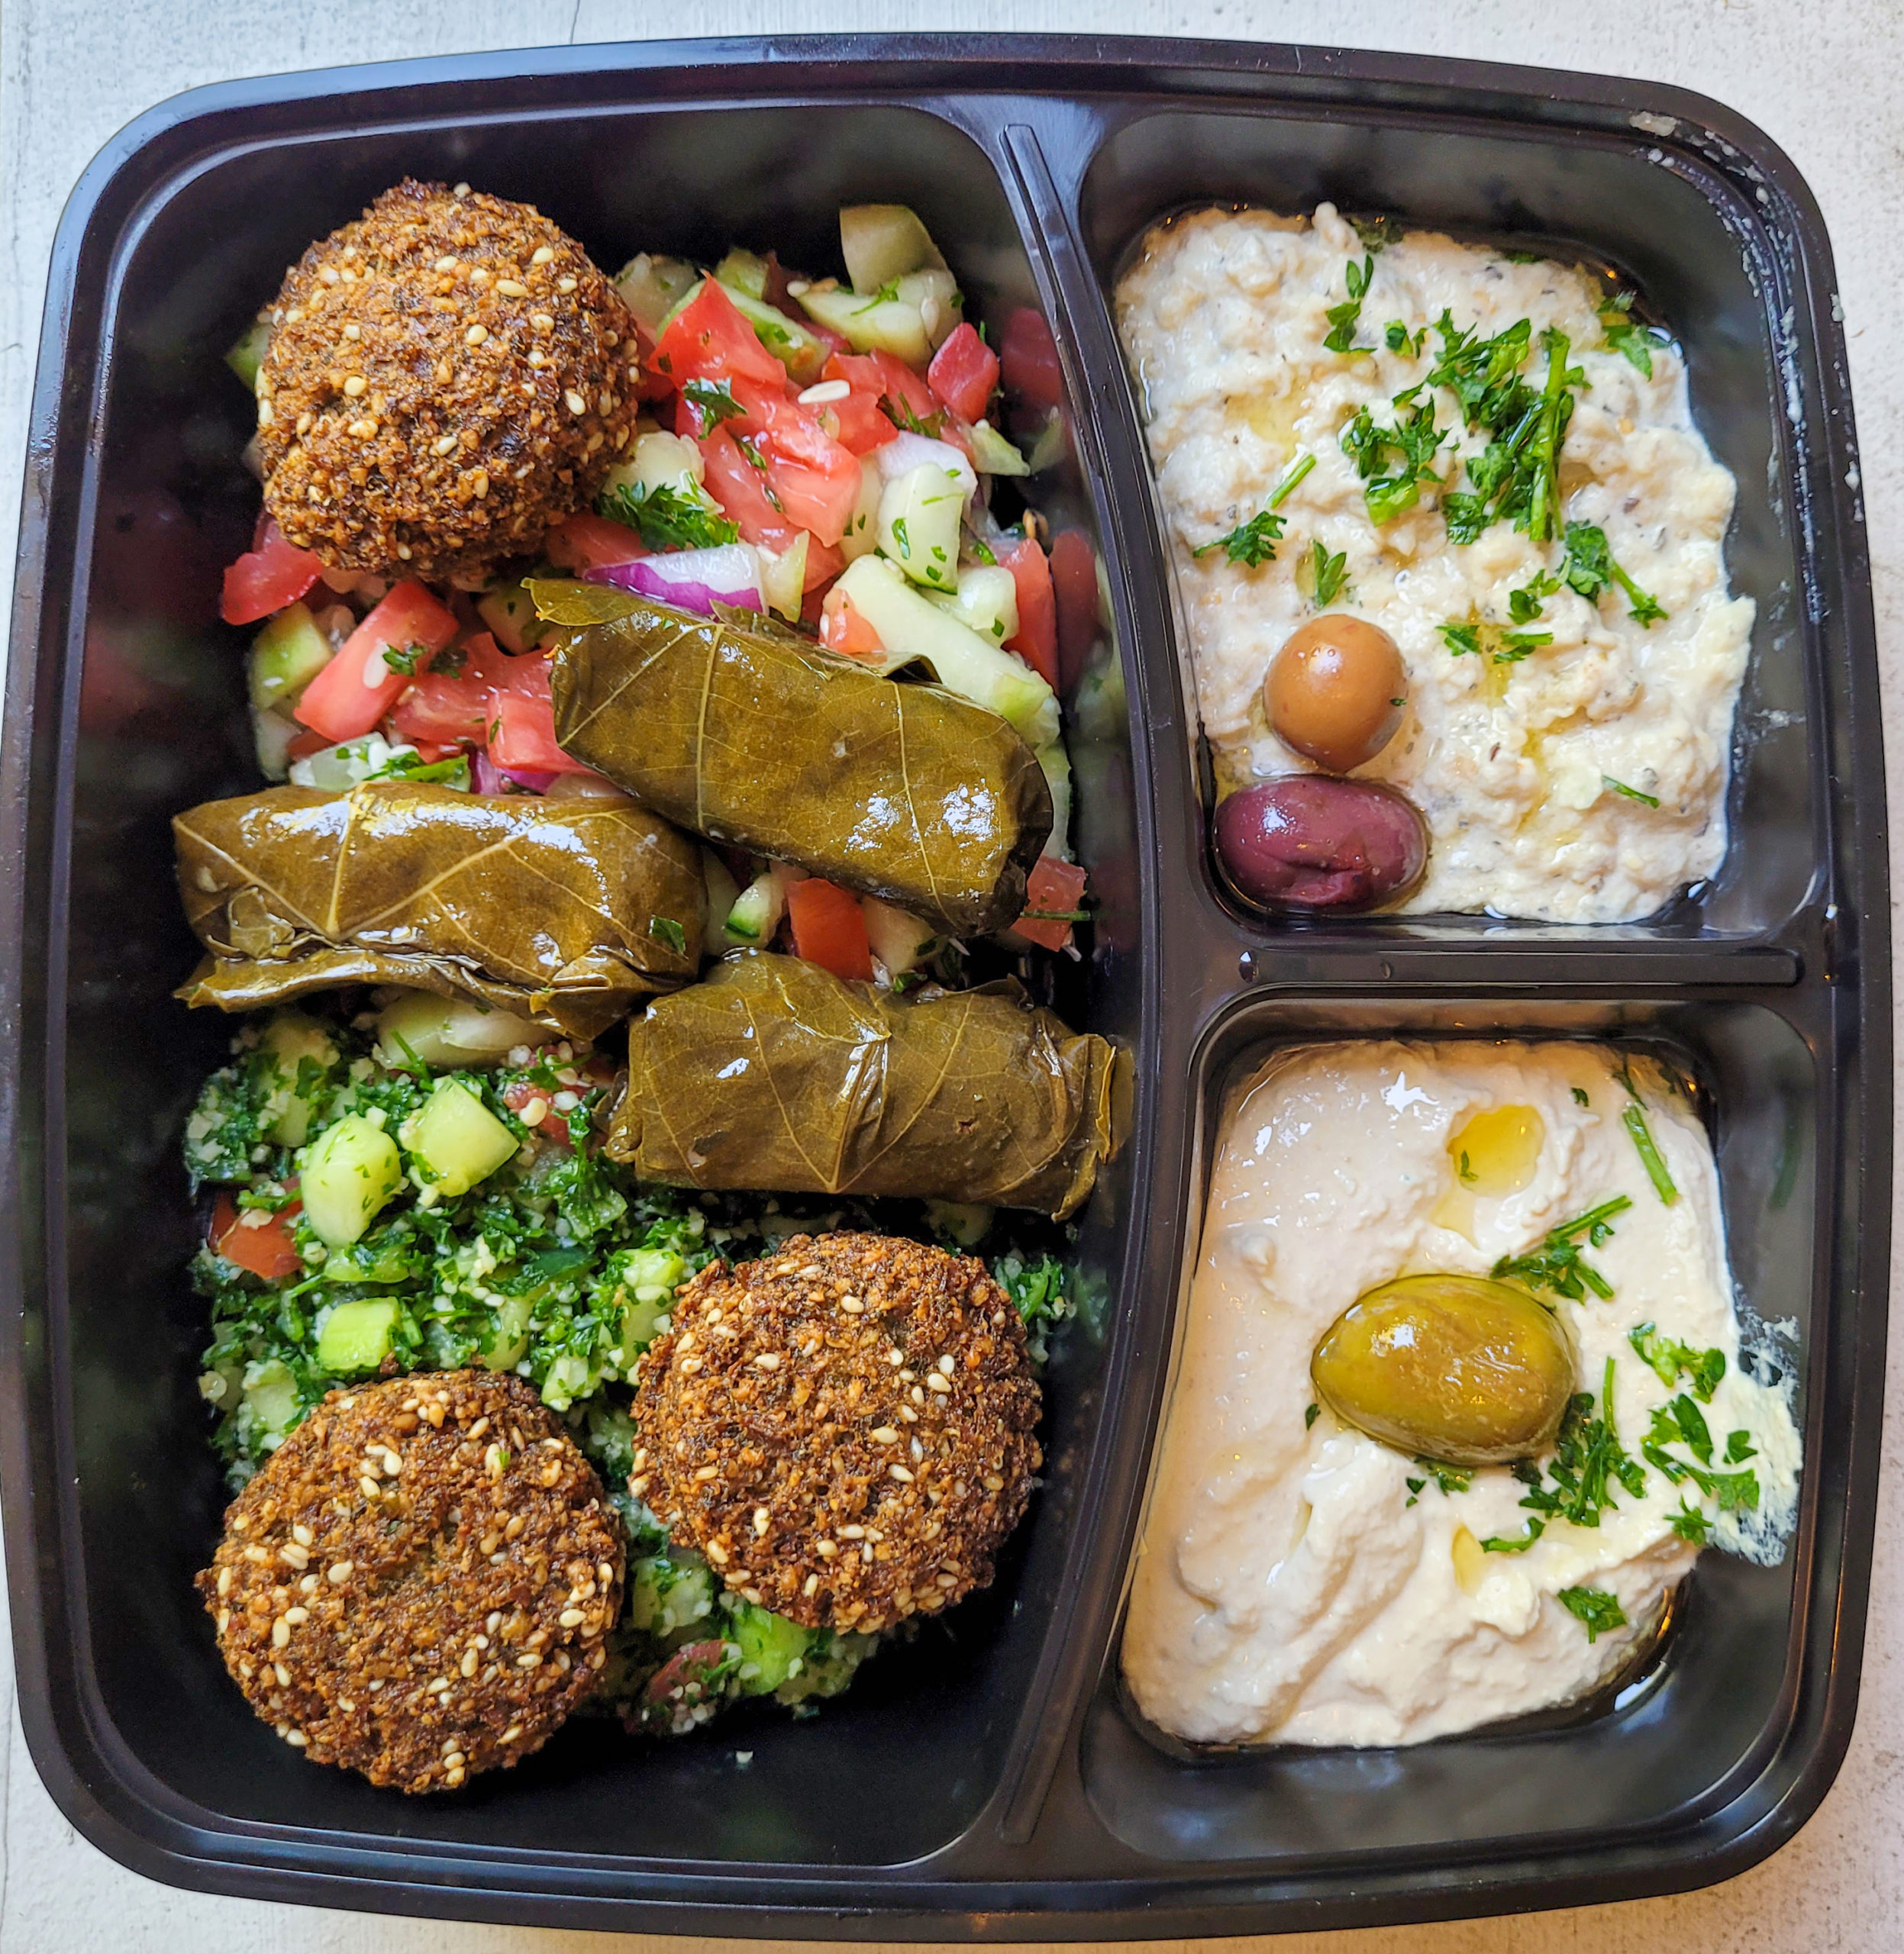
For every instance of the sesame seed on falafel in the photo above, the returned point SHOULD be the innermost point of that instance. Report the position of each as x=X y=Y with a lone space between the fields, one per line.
x=844 y=1427
x=446 y=378
x=419 y=1582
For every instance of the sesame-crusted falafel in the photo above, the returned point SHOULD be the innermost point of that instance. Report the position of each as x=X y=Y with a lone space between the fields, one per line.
x=844 y=1427
x=419 y=1583
x=446 y=378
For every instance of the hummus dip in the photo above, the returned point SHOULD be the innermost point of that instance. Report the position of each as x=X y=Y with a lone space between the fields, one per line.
x=1580 y=780
x=1299 y=1581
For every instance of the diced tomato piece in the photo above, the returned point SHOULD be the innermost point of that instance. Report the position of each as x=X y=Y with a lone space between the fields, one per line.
x=829 y=928
x=357 y=688
x=1074 y=581
x=963 y=371
x=1056 y=886
x=1037 y=641
x=885 y=376
x=862 y=424
x=519 y=1095
x=1028 y=360
x=304 y=743
x=451 y=707
x=844 y=628
x=815 y=479
x=824 y=562
x=262 y=1246
x=522 y=720
x=740 y=489
x=586 y=542
x=708 y=339
x=268 y=576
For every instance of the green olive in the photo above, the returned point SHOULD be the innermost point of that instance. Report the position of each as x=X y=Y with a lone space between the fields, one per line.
x=1453 y=1368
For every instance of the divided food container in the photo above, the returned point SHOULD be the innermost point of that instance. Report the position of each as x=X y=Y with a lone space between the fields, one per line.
x=988 y=1780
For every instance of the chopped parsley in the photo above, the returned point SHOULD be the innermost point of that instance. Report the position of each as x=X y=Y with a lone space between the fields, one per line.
x=1523 y=605
x=1680 y=1422
x=1309 y=1416
x=1254 y=542
x=1588 y=1461
x=1558 y=1264
x=1599 y=1610
x=1581 y=1097
x=1447 y=1478
x=1691 y=1524
x=449 y=664
x=900 y=536
x=1625 y=335
x=1630 y=793
x=1344 y=318
x=669 y=517
x=1739 y=1447
x=1589 y=567
x=1501 y=647
x=1398 y=338
x=1393 y=463
x=1466 y=1170
x=665 y=929
x=1376 y=232
x=1670 y=1360
x=408 y=660
x=1329 y=573
x=713 y=402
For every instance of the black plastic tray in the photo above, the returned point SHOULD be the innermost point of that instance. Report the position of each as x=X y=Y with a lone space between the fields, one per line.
x=988 y=1783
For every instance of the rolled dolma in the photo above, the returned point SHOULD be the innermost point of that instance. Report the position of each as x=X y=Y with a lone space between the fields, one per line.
x=566 y=911
x=758 y=738
x=775 y=1074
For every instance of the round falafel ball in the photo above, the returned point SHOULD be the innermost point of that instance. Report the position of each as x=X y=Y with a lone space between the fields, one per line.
x=844 y=1427
x=446 y=378
x=419 y=1583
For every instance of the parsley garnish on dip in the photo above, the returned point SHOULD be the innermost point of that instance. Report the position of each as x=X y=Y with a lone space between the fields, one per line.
x=1358 y=1560
x=1508 y=483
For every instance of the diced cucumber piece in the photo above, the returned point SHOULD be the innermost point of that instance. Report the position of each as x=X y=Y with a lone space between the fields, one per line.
x=456 y=1139
x=652 y=288
x=351 y=761
x=898 y=940
x=419 y=1026
x=1098 y=708
x=783 y=577
x=881 y=242
x=347 y=1174
x=802 y=353
x=658 y=461
x=286 y=656
x=829 y=1665
x=645 y=1282
x=986 y=601
x=509 y=611
x=919 y=517
x=897 y=325
x=743 y=271
x=246 y=354
x=965 y=1221
x=910 y=624
x=723 y=892
x=993 y=454
x=385 y=1254
x=771 y=1647
x=1057 y=763
x=508 y=1342
x=270 y=1405
x=862 y=531
x=291 y=1038
x=271 y=735
x=756 y=914
x=667 y=1591
x=356 y=1337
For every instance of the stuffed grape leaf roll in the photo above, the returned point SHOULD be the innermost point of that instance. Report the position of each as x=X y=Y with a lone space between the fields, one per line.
x=775 y=1074
x=565 y=910
x=758 y=737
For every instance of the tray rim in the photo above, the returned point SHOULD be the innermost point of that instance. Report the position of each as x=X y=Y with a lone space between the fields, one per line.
x=743 y=72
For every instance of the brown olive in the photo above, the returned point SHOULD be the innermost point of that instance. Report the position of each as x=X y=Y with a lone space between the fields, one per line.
x=1337 y=691
x=1454 y=1367
x=1309 y=841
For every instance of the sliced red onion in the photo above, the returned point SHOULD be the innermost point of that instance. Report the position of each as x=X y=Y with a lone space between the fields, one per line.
x=695 y=580
x=486 y=777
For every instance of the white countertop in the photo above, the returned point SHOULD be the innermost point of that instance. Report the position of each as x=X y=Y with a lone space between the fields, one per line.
x=1825 y=80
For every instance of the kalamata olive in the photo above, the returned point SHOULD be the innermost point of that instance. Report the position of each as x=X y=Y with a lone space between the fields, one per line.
x=1311 y=842
x=1337 y=690
x=1454 y=1367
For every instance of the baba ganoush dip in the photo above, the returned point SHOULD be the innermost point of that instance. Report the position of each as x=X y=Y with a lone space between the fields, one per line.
x=1570 y=757
x=1299 y=1581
